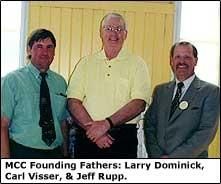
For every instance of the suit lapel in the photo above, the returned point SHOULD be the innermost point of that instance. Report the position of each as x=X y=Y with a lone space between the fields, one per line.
x=188 y=97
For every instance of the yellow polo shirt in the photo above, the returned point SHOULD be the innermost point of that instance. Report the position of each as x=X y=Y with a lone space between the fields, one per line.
x=104 y=86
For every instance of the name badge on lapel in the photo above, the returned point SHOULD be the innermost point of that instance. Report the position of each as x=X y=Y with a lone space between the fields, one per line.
x=183 y=105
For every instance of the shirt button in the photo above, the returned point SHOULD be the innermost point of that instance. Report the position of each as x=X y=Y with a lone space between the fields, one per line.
x=108 y=74
x=109 y=66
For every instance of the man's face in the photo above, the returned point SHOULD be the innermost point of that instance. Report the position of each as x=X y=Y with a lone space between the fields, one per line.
x=183 y=62
x=42 y=54
x=113 y=33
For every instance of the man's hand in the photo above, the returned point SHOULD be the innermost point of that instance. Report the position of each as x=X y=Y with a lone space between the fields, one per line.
x=97 y=129
x=105 y=141
x=164 y=156
x=5 y=151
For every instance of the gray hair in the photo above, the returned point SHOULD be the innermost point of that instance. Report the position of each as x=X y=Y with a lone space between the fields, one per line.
x=113 y=15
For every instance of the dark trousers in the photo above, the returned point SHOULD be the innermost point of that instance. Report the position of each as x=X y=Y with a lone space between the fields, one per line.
x=19 y=151
x=124 y=145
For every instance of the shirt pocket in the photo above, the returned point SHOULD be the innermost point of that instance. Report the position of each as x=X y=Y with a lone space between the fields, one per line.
x=59 y=105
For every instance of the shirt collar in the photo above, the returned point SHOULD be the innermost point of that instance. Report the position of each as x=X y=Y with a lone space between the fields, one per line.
x=187 y=82
x=36 y=72
x=121 y=55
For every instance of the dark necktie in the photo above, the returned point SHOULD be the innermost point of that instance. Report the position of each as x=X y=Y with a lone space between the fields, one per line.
x=176 y=99
x=46 y=118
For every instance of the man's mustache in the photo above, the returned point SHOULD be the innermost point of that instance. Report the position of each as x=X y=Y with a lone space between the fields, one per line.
x=181 y=65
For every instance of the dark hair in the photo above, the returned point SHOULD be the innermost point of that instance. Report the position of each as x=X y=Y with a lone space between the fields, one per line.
x=40 y=34
x=195 y=52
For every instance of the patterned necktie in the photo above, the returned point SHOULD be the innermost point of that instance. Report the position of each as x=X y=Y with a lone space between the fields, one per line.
x=176 y=99
x=46 y=118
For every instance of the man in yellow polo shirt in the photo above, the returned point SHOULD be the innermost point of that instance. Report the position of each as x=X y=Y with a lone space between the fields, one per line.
x=106 y=94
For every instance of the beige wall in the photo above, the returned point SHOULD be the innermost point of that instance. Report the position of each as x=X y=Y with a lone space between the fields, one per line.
x=76 y=27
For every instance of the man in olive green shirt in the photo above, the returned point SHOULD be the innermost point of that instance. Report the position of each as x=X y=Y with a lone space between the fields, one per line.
x=107 y=91
x=21 y=134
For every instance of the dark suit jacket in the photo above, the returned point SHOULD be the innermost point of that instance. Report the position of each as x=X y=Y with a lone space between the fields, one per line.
x=188 y=133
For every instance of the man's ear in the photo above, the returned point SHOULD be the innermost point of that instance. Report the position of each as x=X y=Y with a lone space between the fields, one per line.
x=125 y=35
x=196 y=61
x=28 y=50
x=171 y=61
x=100 y=31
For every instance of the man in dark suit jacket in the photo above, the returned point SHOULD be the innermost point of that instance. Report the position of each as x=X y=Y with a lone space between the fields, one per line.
x=187 y=131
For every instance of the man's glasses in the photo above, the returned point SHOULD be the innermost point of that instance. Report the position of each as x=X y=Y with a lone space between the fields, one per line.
x=112 y=29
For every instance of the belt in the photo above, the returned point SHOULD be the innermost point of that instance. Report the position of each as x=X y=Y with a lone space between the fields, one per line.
x=13 y=143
